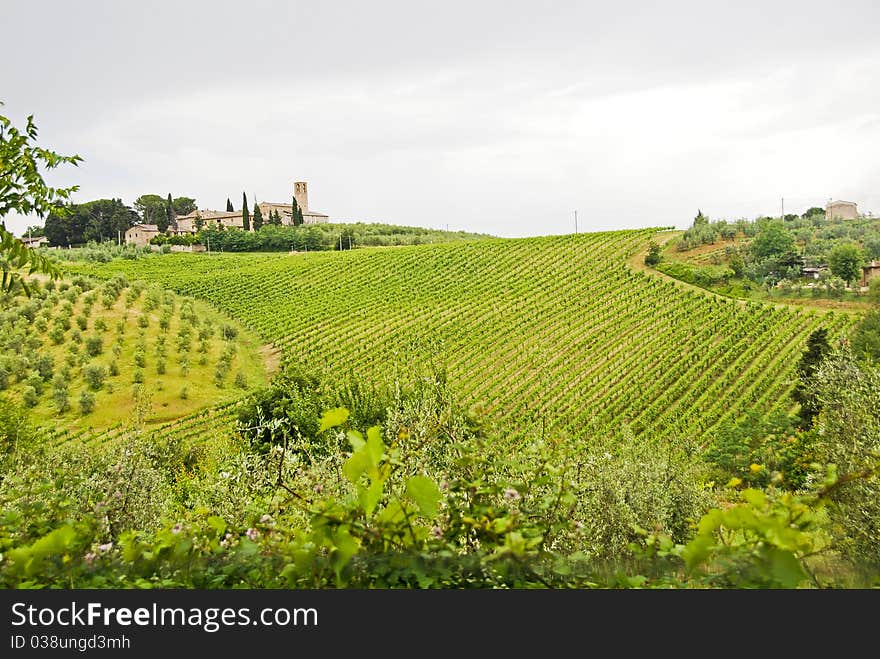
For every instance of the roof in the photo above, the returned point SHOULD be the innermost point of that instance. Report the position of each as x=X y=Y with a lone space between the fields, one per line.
x=871 y=265
x=145 y=227
x=209 y=215
x=315 y=214
x=840 y=201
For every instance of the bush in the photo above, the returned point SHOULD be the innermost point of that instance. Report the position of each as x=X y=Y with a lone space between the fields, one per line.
x=94 y=376
x=60 y=398
x=229 y=333
x=86 y=402
x=30 y=397
x=94 y=345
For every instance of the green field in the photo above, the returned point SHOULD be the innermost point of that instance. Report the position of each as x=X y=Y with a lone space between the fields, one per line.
x=556 y=332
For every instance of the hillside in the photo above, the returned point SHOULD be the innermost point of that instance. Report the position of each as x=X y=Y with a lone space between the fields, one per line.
x=557 y=332
x=102 y=356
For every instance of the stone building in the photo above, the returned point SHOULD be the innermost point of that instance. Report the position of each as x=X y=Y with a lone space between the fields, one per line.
x=301 y=194
x=870 y=271
x=140 y=234
x=841 y=210
x=188 y=223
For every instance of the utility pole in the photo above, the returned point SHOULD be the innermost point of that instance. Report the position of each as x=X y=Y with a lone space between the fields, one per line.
x=575 y=221
x=783 y=209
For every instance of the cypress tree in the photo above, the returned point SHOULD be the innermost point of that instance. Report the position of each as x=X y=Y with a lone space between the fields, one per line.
x=258 y=217
x=294 y=213
x=229 y=208
x=169 y=212
x=245 y=215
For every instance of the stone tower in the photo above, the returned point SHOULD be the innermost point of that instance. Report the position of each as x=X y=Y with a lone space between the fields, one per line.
x=301 y=194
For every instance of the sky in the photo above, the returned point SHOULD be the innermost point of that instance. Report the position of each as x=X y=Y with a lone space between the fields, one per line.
x=494 y=117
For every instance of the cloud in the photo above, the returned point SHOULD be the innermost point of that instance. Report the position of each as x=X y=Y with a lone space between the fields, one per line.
x=501 y=119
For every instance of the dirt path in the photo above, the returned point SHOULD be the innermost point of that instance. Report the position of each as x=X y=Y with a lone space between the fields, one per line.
x=271 y=357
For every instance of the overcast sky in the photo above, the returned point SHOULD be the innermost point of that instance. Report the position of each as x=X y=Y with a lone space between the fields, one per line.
x=498 y=117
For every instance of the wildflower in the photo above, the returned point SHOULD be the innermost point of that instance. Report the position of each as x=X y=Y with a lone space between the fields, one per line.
x=226 y=539
x=177 y=528
x=319 y=488
x=437 y=532
x=444 y=485
x=511 y=494
x=252 y=534
x=91 y=556
x=266 y=519
x=107 y=546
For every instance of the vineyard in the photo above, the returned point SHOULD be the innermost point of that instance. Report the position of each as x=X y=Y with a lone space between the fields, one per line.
x=555 y=333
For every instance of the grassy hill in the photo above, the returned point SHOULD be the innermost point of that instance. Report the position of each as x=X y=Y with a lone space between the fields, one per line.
x=101 y=356
x=557 y=332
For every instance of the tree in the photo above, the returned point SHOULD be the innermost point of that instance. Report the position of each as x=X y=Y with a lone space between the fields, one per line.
x=152 y=208
x=258 y=217
x=184 y=205
x=23 y=190
x=874 y=291
x=804 y=391
x=199 y=222
x=296 y=217
x=846 y=262
x=848 y=434
x=700 y=218
x=772 y=241
x=245 y=217
x=866 y=337
x=229 y=208
x=168 y=220
x=815 y=210
x=653 y=257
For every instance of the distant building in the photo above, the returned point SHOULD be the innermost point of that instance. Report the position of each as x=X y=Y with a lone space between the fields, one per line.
x=841 y=210
x=36 y=241
x=140 y=234
x=814 y=273
x=870 y=271
x=188 y=223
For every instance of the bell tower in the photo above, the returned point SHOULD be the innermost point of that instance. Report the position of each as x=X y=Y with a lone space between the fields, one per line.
x=301 y=194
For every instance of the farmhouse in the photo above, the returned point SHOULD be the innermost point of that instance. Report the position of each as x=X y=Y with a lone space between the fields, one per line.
x=870 y=271
x=36 y=241
x=841 y=210
x=140 y=234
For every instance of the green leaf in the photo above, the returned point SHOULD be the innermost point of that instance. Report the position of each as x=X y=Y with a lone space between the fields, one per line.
x=425 y=493
x=217 y=523
x=356 y=465
x=333 y=418
x=370 y=496
x=375 y=446
x=786 y=569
